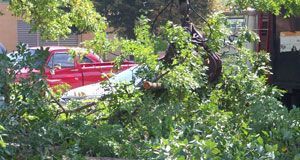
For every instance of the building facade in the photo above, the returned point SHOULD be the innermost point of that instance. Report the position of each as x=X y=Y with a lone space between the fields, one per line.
x=13 y=31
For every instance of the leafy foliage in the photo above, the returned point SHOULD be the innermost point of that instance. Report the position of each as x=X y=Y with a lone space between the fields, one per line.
x=55 y=19
x=122 y=14
x=290 y=7
x=238 y=117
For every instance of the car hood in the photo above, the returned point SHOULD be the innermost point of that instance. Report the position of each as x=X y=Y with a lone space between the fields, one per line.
x=91 y=91
x=98 y=90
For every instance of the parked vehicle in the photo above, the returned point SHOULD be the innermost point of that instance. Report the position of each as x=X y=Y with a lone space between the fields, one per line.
x=280 y=36
x=98 y=90
x=62 y=68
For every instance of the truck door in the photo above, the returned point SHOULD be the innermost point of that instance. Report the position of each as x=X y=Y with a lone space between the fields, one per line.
x=61 y=69
x=91 y=70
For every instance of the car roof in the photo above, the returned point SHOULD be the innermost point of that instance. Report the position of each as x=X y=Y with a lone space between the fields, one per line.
x=53 y=48
x=90 y=54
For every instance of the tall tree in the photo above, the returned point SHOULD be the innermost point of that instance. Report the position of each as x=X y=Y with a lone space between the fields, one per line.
x=238 y=117
x=122 y=14
x=55 y=19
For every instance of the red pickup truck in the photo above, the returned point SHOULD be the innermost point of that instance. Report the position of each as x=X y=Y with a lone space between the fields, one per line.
x=62 y=68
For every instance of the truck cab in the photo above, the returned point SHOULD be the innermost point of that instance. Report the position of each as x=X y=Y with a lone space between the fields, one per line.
x=61 y=67
x=280 y=37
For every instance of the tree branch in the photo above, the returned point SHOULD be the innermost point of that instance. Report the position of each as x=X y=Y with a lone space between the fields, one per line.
x=56 y=101
x=79 y=108
x=155 y=19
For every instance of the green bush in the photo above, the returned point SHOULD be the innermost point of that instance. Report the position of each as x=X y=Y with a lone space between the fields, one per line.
x=237 y=117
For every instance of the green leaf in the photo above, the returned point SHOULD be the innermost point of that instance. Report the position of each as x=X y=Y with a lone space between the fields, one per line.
x=260 y=140
x=271 y=148
x=2 y=128
x=2 y=144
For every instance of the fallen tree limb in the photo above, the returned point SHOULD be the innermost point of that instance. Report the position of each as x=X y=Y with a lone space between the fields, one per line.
x=56 y=101
x=150 y=85
x=79 y=108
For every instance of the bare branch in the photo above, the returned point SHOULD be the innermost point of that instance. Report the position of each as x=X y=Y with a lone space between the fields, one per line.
x=56 y=101
x=79 y=108
x=149 y=85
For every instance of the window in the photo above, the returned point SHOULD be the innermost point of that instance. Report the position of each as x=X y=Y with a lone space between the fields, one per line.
x=63 y=59
x=236 y=23
x=86 y=60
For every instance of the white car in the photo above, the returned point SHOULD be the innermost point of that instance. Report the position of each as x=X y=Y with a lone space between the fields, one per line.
x=98 y=90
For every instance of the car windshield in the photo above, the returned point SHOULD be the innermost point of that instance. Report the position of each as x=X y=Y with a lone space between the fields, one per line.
x=127 y=75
